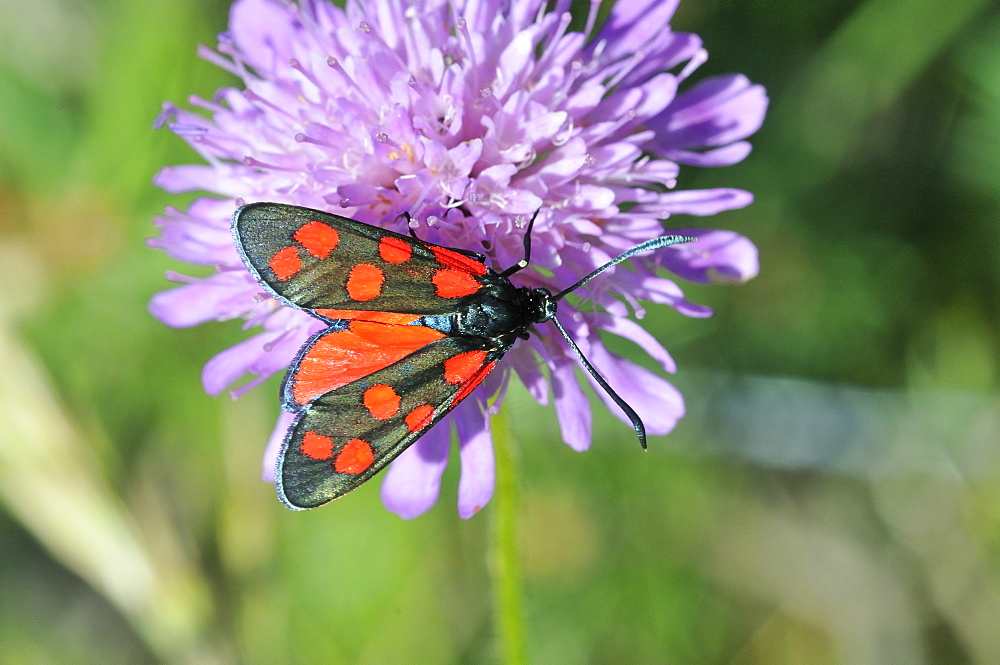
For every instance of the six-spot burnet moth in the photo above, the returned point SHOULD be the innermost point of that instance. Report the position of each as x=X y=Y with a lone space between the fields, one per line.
x=412 y=329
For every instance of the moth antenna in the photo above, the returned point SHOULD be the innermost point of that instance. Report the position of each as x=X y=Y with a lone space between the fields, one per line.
x=640 y=429
x=653 y=243
x=523 y=263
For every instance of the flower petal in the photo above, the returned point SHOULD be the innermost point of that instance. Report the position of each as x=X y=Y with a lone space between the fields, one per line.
x=220 y=297
x=717 y=257
x=631 y=24
x=714 y=112
x=658 y=403
x=229 y=365
x=632 y=331
x=572 y=405
x=263 y=355
x=413 y=481
x=264 y=32
x=475 y=485
x=667 y=292
x=724 y=156
x=269 y=463
x=201 y=235
x=526 y=366
x=701 y=202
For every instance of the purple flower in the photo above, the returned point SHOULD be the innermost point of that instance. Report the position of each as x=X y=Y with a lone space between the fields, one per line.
x=470 y=116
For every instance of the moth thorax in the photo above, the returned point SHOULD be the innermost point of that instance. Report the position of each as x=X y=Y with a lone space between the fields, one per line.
x=500 y=315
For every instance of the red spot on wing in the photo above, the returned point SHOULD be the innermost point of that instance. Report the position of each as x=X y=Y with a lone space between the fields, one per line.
x=473 y=381
x=359 y=315
x=419 y=418
x=453 y=283
x=381 y=401
x=452 y=259
x=318 y=238
x=459 y=369
x=285 y=263
x=364 y=282
x=338 y=358
x=394 y=250
x=354 y=458
x=316 y=446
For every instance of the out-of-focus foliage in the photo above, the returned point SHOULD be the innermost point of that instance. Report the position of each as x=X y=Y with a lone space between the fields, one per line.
x=832 y=497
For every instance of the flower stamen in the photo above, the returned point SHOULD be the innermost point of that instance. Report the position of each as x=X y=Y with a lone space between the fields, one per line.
x=308 y=75
x=334 y=63
x=254 y=97
x=256 y=163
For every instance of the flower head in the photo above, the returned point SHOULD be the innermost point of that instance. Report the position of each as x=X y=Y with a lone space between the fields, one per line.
x=470 y=116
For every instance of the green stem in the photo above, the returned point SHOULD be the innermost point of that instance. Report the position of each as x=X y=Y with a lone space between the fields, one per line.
x=506 y=569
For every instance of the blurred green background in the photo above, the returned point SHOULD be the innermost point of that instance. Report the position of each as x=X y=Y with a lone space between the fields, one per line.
x=832 y=497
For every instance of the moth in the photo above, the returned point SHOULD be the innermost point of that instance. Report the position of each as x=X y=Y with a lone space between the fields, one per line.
x=412 y=328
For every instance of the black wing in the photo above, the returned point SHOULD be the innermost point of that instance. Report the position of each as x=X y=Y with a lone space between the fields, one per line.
x=320 y=261
x=346 y=436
